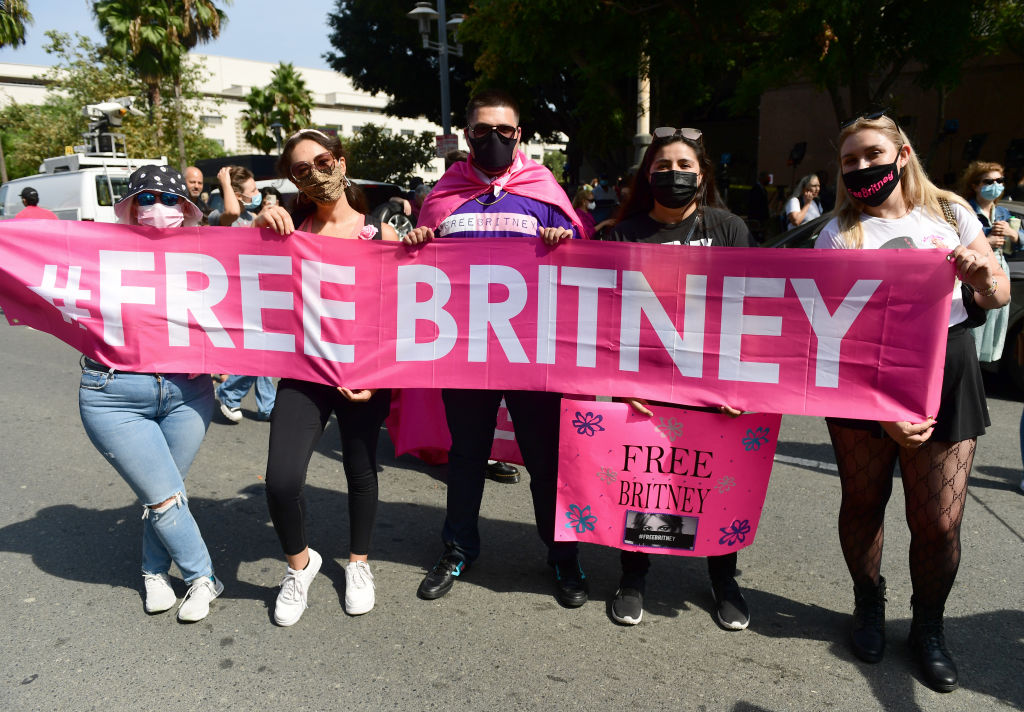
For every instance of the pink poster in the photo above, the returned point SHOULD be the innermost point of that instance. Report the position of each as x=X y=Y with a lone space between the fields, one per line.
x=418 y=426
x=813 y=332
x=683 y=482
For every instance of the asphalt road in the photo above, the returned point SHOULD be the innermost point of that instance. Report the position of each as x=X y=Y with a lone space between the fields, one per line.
x=74 y=635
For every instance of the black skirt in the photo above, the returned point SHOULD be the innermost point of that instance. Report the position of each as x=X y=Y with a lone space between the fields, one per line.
x=963 y=411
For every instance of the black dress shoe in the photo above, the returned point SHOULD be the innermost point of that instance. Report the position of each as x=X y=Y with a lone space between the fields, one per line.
x=867 y=635
x=439 y=579
x=502 y=472
x=928 y=642
x=571 y=582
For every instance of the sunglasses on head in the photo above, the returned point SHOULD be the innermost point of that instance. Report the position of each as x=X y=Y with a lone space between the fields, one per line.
x=670 y=132
x=481 y=130
x=868 y=115
x=324 y=163
x=990 y=181
x=149 y=198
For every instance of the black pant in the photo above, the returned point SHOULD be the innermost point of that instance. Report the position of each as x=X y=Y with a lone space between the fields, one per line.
x=472 y=416
x=636 y=563
x=300 y=415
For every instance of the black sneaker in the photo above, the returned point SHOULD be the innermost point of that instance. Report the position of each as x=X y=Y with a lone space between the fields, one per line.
x=572 y=583
x=628 y=606
x=928 y=643
x=439 y=579
x=731 y=611
x=867 y=635
x=502 y=472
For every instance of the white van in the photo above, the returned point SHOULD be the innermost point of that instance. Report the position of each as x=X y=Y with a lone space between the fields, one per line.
x=76 y=186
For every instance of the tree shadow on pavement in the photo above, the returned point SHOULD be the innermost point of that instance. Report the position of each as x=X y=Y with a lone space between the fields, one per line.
x=995 y=477
x=102 y=546
x=986 y=647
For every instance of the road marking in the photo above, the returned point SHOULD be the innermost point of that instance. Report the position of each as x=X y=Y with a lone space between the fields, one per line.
x=803 y=462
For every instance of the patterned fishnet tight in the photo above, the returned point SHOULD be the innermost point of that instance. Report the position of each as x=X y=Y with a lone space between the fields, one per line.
x=934 y=486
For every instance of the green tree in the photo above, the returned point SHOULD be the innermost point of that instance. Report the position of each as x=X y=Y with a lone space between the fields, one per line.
x=257 y=118
x=380 y=50
x=856 y=50
x=145 y=33
x=376 y=154
x=285 y=101
x=84 y=74
x=201 y=21
x=14 y=15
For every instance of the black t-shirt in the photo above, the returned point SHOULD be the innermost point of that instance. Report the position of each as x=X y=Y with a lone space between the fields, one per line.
x=718 y=228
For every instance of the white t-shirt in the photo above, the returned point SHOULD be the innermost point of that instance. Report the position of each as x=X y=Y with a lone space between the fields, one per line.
x=793 y=206
x=917 y=229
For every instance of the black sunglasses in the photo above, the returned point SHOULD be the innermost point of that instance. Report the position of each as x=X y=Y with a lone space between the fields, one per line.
x=670 y=132
x=481 y=130
x=990 y=181
x=870 y=116
x=148 y=198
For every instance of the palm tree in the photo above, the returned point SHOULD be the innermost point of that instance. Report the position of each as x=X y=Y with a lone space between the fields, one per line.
x=14 y=15
x=145 y=33
x=201 y=21
x=293 y=102
x=285 y=101
x=256 y=120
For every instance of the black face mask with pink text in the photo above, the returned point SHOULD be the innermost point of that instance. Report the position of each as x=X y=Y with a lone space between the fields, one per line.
x=872 y=185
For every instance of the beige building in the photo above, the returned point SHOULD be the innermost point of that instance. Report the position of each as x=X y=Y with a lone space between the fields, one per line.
x=336 y=103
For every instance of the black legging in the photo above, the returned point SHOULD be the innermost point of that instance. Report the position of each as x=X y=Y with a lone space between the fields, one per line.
x=300 y=415
x=934 y=488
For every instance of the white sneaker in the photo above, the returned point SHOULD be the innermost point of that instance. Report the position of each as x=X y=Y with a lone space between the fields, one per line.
x=195 y=606
x=159 y=594
x=359 y=597
x=291 y=600
x=232 y=414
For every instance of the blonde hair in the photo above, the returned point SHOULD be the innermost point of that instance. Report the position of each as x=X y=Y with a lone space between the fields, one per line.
x=972 y=175
x=581 y=198
x=917 y=189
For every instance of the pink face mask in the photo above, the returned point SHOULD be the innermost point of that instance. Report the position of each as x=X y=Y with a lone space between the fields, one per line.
x=159 y=215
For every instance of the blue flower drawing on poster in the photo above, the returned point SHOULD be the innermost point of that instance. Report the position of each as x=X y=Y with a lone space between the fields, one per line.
x=725 y=484
x=735 y=533
x=756 y=438
x=580 y=519
x=670 y=428
x=588 y=424
x=607 y=475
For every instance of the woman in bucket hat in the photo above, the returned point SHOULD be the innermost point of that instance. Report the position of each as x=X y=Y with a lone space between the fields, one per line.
x=149 y=426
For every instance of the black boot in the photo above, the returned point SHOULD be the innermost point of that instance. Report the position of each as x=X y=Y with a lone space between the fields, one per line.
x=867 y=636
x=928 y=643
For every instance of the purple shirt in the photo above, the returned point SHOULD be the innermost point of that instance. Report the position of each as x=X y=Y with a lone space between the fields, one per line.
x=508 y=215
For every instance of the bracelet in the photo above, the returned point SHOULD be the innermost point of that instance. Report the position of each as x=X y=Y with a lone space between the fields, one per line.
x=991 y=290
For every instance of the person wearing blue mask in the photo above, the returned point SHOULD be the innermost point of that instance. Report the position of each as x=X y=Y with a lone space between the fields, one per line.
x=982 y=185
x=242 y=201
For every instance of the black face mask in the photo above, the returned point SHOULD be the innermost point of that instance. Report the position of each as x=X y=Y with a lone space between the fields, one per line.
x=674 y=189
x=872 y=185
x=493 y=152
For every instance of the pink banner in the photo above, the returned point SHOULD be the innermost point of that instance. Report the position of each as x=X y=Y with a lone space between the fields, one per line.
x=684 y=482
x=798 y=331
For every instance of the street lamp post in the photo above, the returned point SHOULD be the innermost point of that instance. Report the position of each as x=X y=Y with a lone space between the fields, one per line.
x=424 y=13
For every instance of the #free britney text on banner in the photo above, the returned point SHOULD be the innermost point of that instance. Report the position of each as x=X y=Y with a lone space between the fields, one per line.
x=851 y=333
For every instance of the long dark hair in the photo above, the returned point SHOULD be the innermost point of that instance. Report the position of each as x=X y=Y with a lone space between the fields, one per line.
x=641 y=200
x=304 y=207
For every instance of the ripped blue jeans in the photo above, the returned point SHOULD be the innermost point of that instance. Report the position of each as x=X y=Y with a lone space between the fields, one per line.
x=150 y=429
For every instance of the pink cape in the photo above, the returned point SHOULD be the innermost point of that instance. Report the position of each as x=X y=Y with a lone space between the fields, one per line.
x=461 y=183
